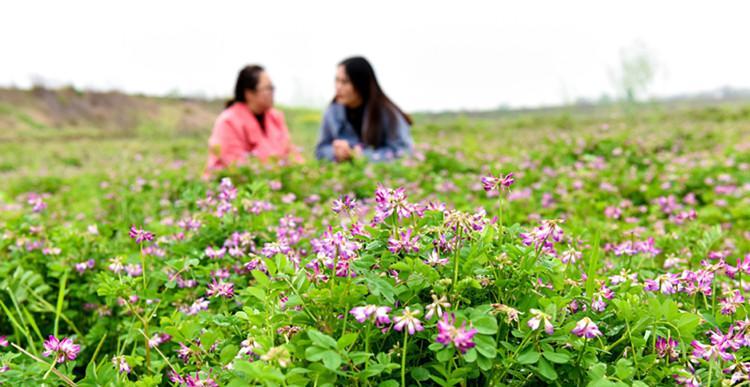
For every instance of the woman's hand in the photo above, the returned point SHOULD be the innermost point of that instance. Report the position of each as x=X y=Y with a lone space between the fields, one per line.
x=341 y=150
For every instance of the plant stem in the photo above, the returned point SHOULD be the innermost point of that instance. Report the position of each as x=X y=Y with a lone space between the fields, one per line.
x=143 y=271
x=403 y=358
x=367 y=344
x=580 y=355
x=54 y=370
x=456 y=256
x=500 y=212
x=713 y=298
x=51 y=367
x=60 y=300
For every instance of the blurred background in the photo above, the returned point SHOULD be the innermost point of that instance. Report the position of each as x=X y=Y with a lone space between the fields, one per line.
x=84 y=81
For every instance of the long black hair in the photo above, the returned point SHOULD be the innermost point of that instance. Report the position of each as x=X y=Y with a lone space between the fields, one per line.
x=362 y=77
x=246 y=80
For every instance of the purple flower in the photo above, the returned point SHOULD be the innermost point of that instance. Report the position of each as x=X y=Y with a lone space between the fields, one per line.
x=121 y=364
x=362 y=313
x=63 y=350
x=184 y=352
x=227 y=191
x=36 y=202
x=729 y=305
x=544 y=236
x=379 y=314
x=158 y=339
x=197 y=306
x=570 y=256
x=133 y=270
x=686 y=377
x=197 y=381
x=668 y=283
x=81 y=267
x=667 y=348
x=433 y=259
x=464 y=338
x=4 y=341
x=448 y=333
x=389 y=201
x=436 y=307
x=408 y=319
x=140 y=235
x=214 y=253
x=404 y=243
x=188 y=224
x=613 y=212
x=220 y=289
x=115 y=265
x=709 y=352
x=332 y=246
x=586 y=328
x=492 y=183
x=744 y=265
x=466 y=223
x=343 y=204
x=538 y=318
x=274 y=185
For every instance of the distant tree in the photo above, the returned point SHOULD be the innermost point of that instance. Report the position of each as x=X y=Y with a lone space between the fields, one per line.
x=636 y=72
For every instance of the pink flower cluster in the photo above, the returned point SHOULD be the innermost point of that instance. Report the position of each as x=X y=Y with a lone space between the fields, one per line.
x=460 y=337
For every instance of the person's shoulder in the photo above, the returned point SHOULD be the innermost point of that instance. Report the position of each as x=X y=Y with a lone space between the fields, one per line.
x=275 y=113
x=393 y=115
x=335 y=111
x=234 y=115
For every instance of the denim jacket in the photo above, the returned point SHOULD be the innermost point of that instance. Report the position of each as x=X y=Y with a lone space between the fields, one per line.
x=335 y=126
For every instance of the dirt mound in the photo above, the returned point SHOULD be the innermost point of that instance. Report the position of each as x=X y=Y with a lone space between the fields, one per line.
x=111 y=112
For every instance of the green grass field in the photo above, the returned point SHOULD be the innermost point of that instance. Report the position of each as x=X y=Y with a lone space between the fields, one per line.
x=619 y=255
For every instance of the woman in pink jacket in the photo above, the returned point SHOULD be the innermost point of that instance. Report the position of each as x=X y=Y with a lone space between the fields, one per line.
x=250 y=126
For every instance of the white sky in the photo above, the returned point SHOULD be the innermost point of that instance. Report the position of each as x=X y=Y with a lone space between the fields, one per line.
x=428 y=55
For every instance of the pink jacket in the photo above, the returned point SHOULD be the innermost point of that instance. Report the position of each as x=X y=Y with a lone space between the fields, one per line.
x=237 y=135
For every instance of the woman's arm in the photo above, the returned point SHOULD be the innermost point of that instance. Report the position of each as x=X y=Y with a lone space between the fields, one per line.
x=398 y=142
x=324 y=149
x=228 y=142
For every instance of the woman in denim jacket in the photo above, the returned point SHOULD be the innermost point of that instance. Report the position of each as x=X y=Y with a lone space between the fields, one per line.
x=361 y=120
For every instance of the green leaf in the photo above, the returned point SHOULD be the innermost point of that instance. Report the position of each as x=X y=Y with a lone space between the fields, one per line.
x=484 y=363
x=331 y=360
x=471 y=355
x=546 y=370
x=359 y=357
x=435 y=347
x=321 y=339
x=529 y=357
x=380 y=287
x=419 y=374
x=624 y=369
x=486 y=346
x=486 y=325
x=597 y=371
x=228 y=353
x=258 y=293
x=444 y=355
x=261 y=278
x=314 y=353
x=346 y=340
x=556 y=357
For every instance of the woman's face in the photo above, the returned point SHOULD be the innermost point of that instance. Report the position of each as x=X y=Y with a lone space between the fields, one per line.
x=261 y=99
x=345 y=93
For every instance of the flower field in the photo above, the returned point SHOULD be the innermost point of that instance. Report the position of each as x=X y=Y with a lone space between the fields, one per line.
x=581 y=250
